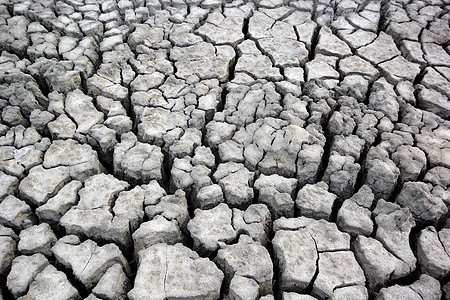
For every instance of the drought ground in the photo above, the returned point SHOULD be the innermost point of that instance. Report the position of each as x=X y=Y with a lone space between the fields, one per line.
x=224 y=149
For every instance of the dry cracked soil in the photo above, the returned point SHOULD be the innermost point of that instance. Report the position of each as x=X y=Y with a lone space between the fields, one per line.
x=240 y=150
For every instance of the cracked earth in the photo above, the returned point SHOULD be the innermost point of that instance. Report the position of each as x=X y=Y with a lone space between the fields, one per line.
x=240 y=150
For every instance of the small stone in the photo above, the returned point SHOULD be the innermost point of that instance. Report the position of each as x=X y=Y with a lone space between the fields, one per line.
x=243 y=288
x=51 y=284
x=356 y=65
x=354 y=216
x=276 y=192
x=15 y=213
x=255 y=222
x=113 y=284
x=37 y=239
x=172 y=207
x=315 y=201
x=41 y=184
x=62 y=127
x=380 y=173
x=399 y=69
x=12 y=116
x=23 y=271
x=8 y=186
x=235 y=181
x=297 y=266
x=329 y=44
x=433 y=101
x=110 y=43
x=249 y=259
x=341 y=174
x=411 y=162
x=431 y=254
x=394 y=228
x=87 y=261
x=351 y=293
x=39 y=119
x=426 y=208
x=211 y=228
x=381 y=49
x=209 y=196
x=58 y=205
x=7 y=248
x=81 y=160
x=425 y=288
x=175 y=272
x=81 y=109
x=136 y=161
x=438 y=176
x=295 y=296
x=337 y=269
x=380 y=266
x=157 y=230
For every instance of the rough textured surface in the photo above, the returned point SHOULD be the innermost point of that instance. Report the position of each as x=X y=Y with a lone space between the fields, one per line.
x=175 y=272
x=23 y=271
x=37 y=239
x=211 y=228
x=211 y=149
x=87 y=261
x=425 y=288
x=51 y=284
x=249 y=259
x=432 y=252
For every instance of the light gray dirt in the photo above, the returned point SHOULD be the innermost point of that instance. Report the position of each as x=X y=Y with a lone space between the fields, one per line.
x=224 y=149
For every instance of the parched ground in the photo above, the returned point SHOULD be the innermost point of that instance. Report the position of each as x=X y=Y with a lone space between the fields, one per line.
x=188 y=149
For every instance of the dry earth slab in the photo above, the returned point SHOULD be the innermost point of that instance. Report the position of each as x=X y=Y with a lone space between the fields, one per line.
x=208 y=149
